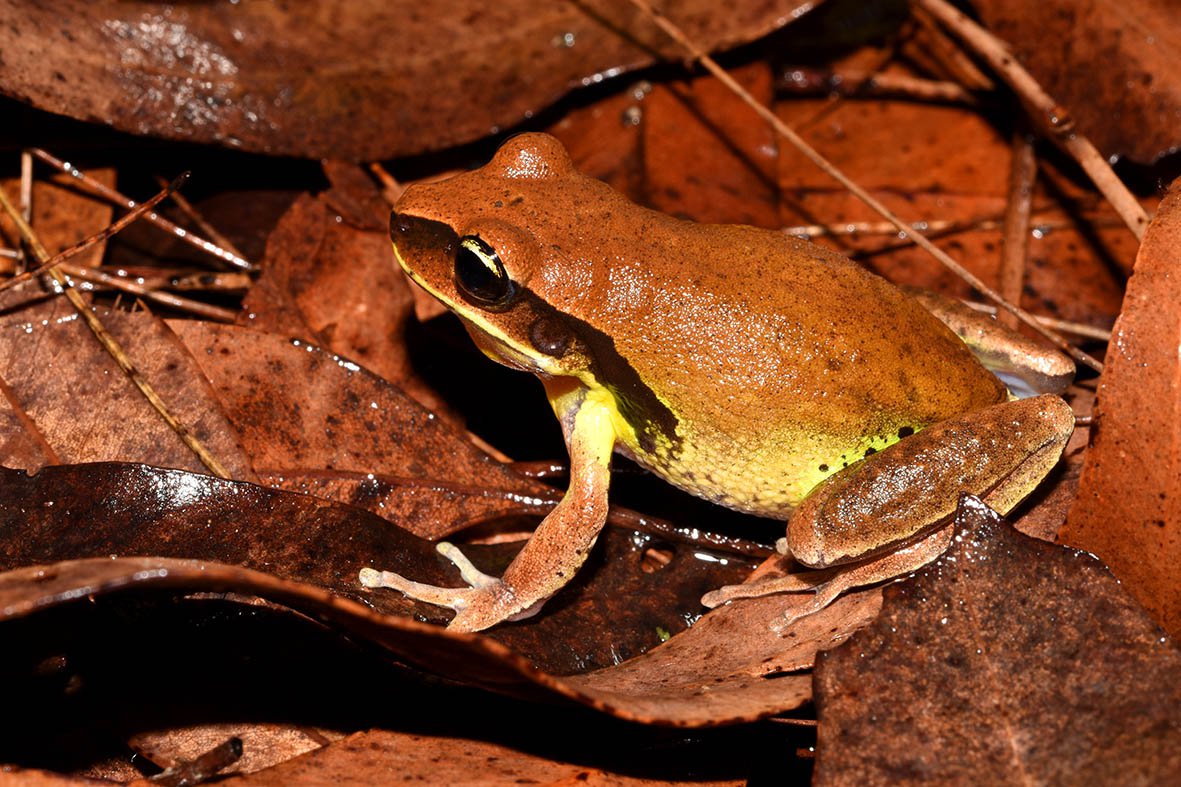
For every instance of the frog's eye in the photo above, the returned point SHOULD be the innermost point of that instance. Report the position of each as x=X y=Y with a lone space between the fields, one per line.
x=480 y=274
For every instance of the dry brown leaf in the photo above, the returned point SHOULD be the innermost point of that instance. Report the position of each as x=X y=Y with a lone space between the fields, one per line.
x=1111 y=63
x=405 y=758
x=29 y=777
x=335 y=285
x=944 y=163
x=67 y=401
x=1128 y=510
x=732 y=666
x=707 y=156
x=298 y=407
x=62 y=215
x=404 y=77
x=1007 y=660
x=264 y=745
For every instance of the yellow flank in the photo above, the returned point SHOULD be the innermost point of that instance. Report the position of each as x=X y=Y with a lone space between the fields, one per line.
x=769 y=477
x=768 y=474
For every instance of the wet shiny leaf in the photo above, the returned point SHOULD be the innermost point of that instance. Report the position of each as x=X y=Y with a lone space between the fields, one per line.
x=611 y=612
x=431 y=508
x=404 y=77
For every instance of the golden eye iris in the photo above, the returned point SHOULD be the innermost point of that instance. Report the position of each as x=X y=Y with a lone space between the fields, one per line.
x=480 y=275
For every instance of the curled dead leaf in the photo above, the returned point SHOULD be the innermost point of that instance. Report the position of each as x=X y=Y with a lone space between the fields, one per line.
x=1008 y=659
x=1128 y=509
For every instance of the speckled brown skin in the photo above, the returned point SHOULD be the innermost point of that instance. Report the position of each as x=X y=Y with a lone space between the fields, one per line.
x=748 y=366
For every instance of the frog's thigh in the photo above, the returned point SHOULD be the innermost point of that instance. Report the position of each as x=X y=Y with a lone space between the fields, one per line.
x=1026 y=365
x=999 y=454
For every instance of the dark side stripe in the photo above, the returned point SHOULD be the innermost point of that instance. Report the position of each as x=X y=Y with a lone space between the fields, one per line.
x=553 y=333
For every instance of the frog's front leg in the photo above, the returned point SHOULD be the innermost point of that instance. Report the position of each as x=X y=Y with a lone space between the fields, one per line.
x=556 y=549
x=905 y=495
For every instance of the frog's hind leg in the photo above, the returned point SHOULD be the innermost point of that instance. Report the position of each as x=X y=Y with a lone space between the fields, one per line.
x=888 y=514
x=828 y=586
x=1027 y=366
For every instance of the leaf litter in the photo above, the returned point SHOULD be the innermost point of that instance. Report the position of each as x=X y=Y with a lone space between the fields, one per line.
x=292 y=438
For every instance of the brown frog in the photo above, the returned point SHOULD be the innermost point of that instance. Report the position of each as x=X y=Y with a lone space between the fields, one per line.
x=755 y=370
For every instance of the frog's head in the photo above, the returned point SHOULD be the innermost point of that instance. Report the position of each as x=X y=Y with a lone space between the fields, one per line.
x=489 y=244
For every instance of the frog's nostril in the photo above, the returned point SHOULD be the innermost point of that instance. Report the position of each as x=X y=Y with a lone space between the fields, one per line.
x=399 y=225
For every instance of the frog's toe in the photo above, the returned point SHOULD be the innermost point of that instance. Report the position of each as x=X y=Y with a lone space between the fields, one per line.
x=791 y=583
x=471 y=575
x=452 y=598
x=456 y=599
x=829 y=584
x=825 y=587
x=825 y=594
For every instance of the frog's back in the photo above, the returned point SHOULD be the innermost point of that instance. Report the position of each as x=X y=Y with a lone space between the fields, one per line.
x=745 y=365
x=780 y=361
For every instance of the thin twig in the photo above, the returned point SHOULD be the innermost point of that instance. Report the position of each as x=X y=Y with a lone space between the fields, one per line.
x=1015 y=238
x=125 y=284
x=932 y=49
x=860 y=84
x=188 y=773
x=187 y=208
x=824 y=164
x=391 y=189
x=108 y=193
x=1066 y=326
x=109 y=343
x=181 y=280
x=936 y=227
x=1050 y=117
x=26 y=200
x=97 y=237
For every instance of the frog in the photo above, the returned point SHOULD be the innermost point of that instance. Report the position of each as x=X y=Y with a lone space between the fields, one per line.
x=759 y=371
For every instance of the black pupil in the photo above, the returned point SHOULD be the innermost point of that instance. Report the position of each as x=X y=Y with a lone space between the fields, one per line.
x=483 y=279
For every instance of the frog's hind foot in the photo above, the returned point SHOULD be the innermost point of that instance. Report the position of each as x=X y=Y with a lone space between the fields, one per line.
x=828 y=585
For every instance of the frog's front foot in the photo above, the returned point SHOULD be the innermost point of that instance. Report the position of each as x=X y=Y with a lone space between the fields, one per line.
x=486 y=601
